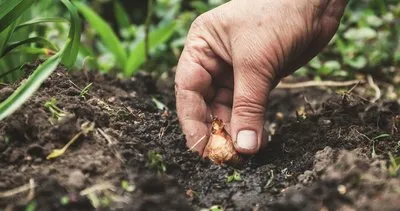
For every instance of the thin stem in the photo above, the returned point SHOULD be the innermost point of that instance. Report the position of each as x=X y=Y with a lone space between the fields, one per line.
x=147 y=28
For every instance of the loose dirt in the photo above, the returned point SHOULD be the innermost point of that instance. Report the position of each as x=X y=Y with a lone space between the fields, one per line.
x=136 y=159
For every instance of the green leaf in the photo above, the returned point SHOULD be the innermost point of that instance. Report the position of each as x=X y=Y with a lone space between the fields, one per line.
x=234 y=177
x=88 y=57
x=30 y=50
x=121 y=15
x=137 y=55
x=328 y=67
x=5 y=73
x=40 y=40
x=31 y=206
x=71 y=51
x=215 y=208
x=28 y=88
x=200 y=6
x=374 y=21
x=364 y=33
x=108 y=37
x=315 y=63
x=358 y=63
x=332 y=65
x=126 y=186
x=11 y=10
x=64 y=200
x=41 y=20
x=5 y=36
x=159 y=104
x=384 y=135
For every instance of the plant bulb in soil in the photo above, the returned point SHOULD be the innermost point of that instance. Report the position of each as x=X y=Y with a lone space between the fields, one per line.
x=220 y=148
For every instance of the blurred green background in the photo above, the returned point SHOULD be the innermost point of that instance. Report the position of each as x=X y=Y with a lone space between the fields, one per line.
x=113 y=38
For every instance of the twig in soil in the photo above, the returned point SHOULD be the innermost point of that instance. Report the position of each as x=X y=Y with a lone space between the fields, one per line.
x=395 y=122
x=352 y=88
x=161 y=133
x=270 y=180
x=97 y=187
x=117 y=198
x=82 y=92
x=103 y=188
x=309 y=105
x=129 y=109
x=31 y=193
x=107 y=137
x=111 y=144
x=305 y=84
x=197 y=143
x=372 y=84
x=30 y=186
x=75 y=86
x=347 y=93
x=363 y=135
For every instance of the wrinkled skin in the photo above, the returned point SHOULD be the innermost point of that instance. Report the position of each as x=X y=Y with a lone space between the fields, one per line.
x=236 y=53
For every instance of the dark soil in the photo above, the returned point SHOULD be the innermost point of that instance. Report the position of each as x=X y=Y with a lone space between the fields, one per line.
x=136 y=158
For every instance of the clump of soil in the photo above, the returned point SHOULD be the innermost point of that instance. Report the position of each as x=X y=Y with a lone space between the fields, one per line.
x=352 y=181
x=136 y=157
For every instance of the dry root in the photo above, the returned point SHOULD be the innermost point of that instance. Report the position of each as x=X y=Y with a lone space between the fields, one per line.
x=220 y=147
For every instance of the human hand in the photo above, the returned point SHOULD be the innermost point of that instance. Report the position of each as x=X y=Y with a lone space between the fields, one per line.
x=235 y=54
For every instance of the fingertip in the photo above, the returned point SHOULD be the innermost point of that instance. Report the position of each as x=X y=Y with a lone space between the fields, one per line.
x=249 y=147
x=247 y=142
x=196 y=135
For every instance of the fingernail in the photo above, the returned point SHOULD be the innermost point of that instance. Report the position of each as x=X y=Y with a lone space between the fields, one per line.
x=247 y=139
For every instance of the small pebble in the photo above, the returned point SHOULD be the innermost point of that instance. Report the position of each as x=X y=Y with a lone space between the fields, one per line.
x=324 y=122
x=76 y=179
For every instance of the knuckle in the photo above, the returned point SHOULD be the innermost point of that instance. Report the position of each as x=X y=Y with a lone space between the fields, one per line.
x=201 y=21
x=196 y=44
x=194 y=49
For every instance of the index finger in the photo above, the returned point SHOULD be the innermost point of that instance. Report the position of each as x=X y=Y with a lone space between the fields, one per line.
x=192 y=83
x=196 y=69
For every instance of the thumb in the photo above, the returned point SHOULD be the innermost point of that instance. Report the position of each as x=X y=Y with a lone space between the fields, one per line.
x=251 y=90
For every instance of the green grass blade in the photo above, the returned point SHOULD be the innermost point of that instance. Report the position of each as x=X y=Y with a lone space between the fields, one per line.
x=137 y=55
x=5 y=36
x=41 y=20
x=31 y=51
x=39 y=40
x=121 y=15
x=11 y=10
x=72 y=50
x=28 y=88
x=5 y=73
x=88 y=57
x=108 y=37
